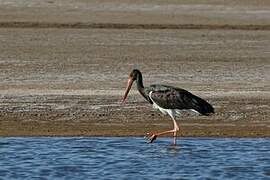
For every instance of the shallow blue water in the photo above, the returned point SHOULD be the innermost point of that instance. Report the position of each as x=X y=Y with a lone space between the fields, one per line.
x=133 y=158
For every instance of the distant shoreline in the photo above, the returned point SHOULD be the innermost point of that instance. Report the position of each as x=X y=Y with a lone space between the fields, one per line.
x=79 y=25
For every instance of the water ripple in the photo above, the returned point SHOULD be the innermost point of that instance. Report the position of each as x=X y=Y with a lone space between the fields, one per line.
x=133 y=158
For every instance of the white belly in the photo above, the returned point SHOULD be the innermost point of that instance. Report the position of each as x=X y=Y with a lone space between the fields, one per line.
x=164 y=111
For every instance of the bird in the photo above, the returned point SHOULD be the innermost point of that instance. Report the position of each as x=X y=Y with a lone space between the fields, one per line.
x=169 y=100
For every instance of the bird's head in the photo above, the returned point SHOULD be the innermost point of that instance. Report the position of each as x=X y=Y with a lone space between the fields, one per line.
x=133 y=76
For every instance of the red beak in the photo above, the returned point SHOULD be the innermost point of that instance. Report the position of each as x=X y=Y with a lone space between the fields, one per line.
x=129 y=84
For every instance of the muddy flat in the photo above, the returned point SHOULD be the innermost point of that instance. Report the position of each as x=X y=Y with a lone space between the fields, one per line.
x=64 y=66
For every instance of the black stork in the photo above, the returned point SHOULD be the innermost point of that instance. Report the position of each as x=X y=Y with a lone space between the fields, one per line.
x=169 y=100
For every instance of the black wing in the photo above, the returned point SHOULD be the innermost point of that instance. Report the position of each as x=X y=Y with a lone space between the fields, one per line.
x=169 y=97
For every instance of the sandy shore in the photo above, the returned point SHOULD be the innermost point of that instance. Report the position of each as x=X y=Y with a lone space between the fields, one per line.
x=63 y=75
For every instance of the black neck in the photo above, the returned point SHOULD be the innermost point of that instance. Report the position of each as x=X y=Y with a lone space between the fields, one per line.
x=140 y=86
x=139 y=81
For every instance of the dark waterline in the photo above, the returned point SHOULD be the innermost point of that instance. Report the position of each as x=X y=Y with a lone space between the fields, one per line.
x=133 y=158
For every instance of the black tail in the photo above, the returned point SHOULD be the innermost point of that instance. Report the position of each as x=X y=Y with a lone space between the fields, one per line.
x=202 y=106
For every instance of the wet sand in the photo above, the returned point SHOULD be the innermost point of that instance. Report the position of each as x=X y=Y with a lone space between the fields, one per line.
x=65 y=77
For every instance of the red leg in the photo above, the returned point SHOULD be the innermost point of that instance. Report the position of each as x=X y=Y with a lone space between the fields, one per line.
x=153 y=136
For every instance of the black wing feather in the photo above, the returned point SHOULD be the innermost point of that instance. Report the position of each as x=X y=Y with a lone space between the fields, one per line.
x=169 y=97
